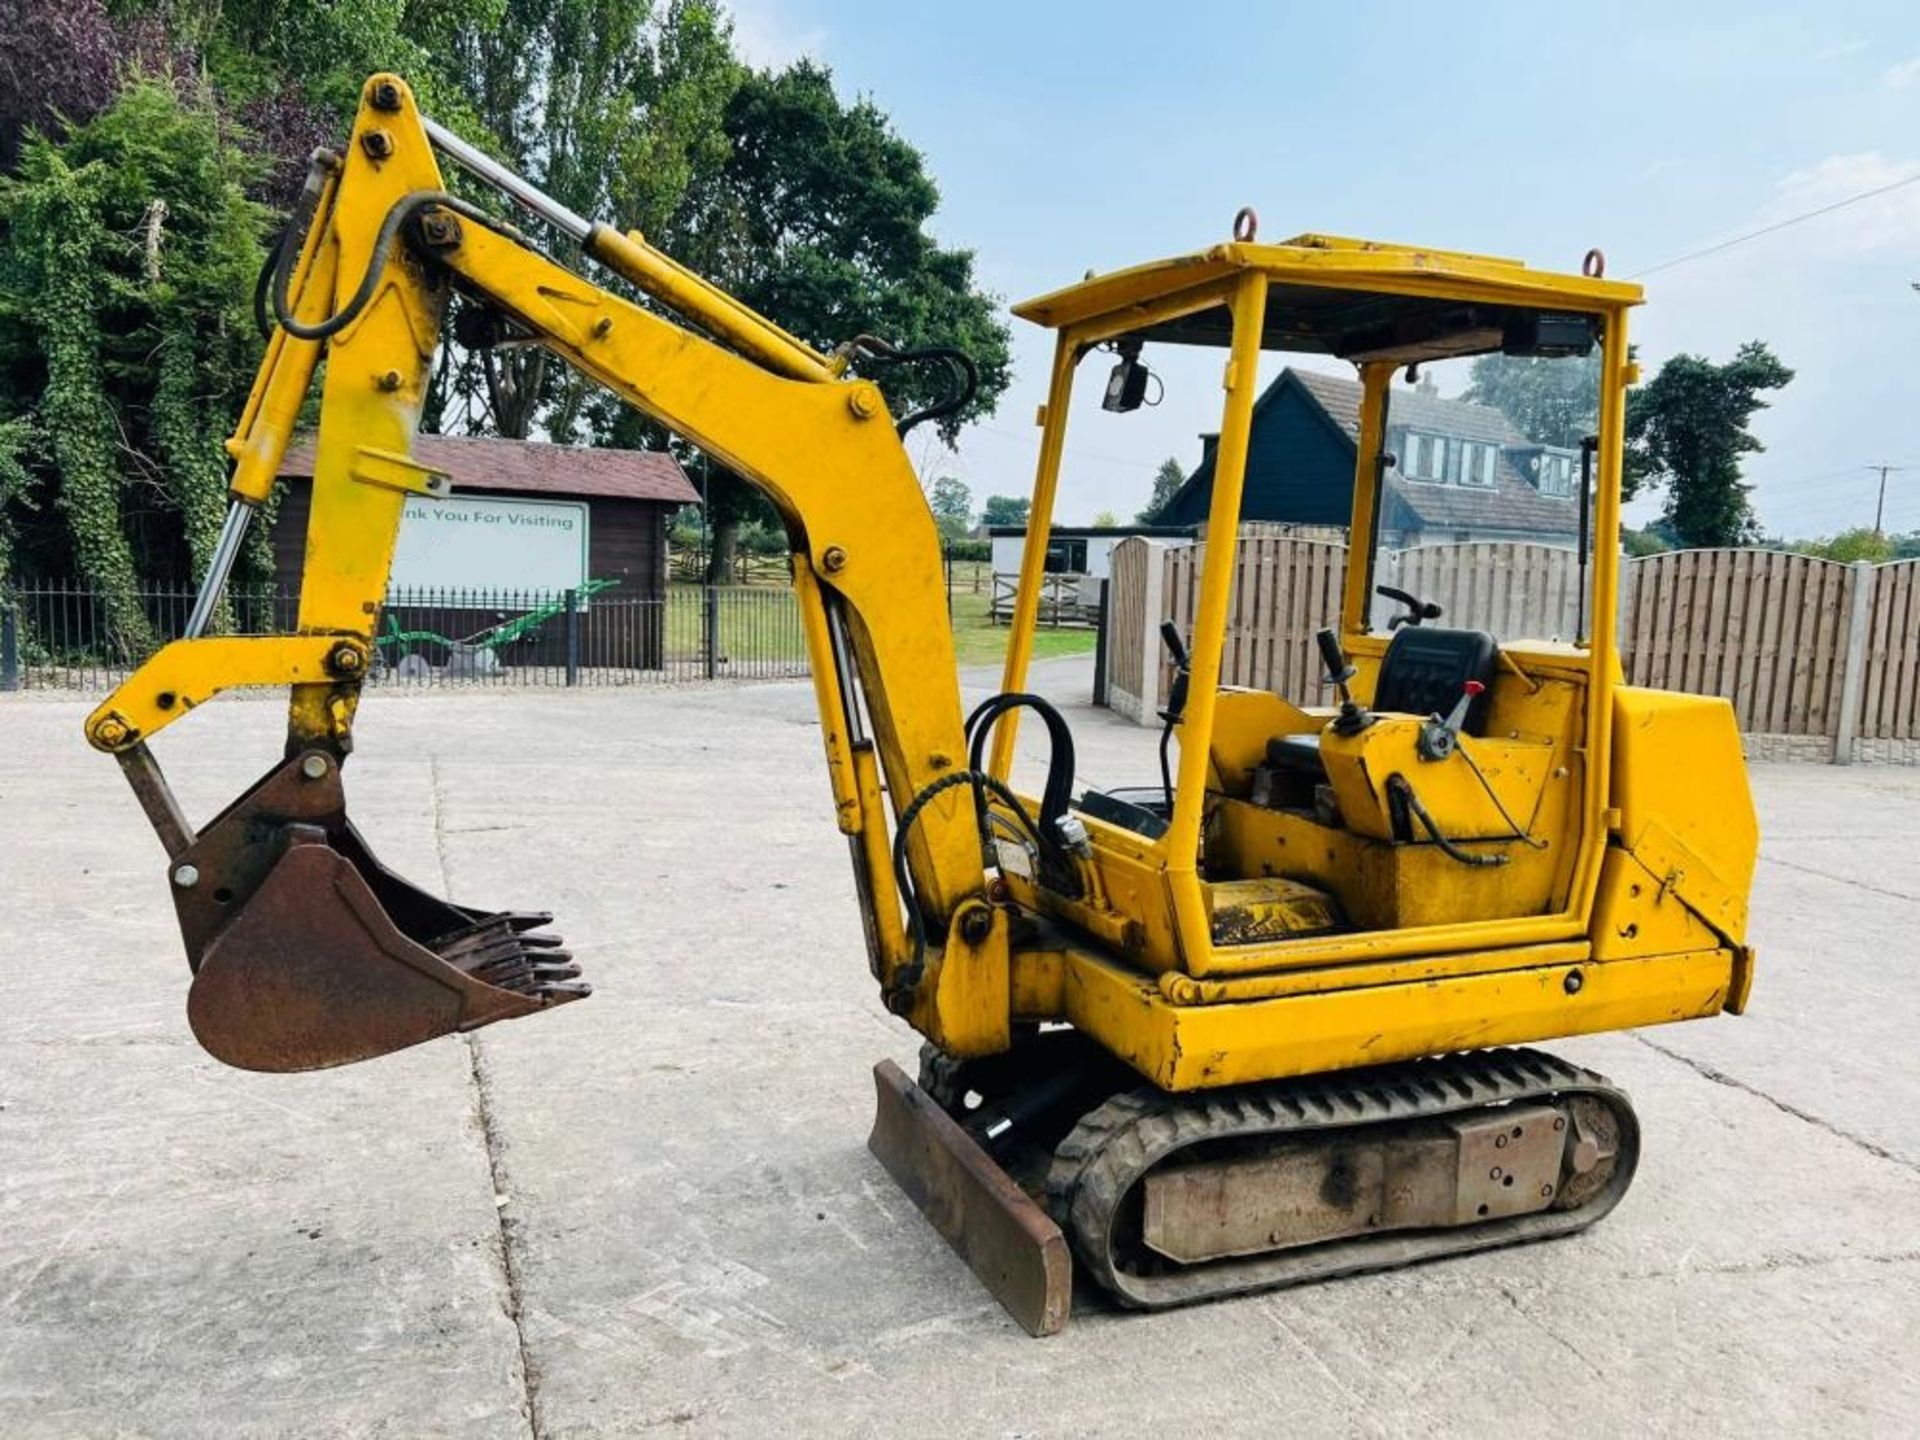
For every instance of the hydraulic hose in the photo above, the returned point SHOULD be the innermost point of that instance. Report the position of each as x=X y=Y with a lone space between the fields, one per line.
x=280 y=261
x=403 y=209
x=962 y=363
x=899 y=995
x=1399 y=789
x=1057 y=796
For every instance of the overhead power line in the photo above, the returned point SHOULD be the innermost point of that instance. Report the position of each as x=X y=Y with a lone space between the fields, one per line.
x=1827 y=209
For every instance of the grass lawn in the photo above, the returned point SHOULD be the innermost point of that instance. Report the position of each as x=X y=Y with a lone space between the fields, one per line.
x=762 y=623
x=978 y=641
x=757 y=623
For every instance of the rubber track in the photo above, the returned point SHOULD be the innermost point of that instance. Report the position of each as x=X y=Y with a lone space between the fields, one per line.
x=1116 y=1144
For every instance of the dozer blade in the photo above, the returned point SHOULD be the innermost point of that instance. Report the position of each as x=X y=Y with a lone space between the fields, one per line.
x=1006 y=1239
x=307 y=952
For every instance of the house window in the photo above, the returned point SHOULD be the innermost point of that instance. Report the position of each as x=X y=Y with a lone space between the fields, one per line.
x=1477 y=462
x=1556 y=474
x=1426 y=457
x=1067 y=555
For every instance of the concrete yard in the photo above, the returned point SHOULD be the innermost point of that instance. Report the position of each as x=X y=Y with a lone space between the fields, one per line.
x=655 y=1210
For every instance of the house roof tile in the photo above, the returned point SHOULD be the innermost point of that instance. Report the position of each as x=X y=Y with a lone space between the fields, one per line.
x=538 y=468
x=1513 y=502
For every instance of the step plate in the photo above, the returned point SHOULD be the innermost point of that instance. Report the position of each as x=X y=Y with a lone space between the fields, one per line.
x=1007 y=1240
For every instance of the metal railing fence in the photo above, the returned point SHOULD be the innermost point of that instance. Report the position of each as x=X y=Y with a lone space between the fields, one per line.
x=73 y=635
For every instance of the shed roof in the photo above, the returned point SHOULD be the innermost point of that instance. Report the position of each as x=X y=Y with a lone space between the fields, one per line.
x=537 y=467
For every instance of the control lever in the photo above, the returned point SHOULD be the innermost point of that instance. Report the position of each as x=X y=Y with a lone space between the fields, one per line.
x=1176 y=702
x=1353 y=717
x=1439 y=738
x=1177 y=650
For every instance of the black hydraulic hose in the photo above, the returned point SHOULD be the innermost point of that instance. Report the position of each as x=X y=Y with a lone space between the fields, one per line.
x=403 y=210
x=1057 y=866
x=321 y=163
x=263 y=284
x=1166 y=763
x=1176 y=702
x=1057 y=797
x=1398 y=788
x=900 y=994
x=967 y=373
x=962 y=395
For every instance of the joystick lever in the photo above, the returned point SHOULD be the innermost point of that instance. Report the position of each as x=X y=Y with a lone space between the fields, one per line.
x=1353 y=717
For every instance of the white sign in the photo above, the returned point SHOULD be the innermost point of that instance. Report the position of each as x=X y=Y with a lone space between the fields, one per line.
x=470 y=542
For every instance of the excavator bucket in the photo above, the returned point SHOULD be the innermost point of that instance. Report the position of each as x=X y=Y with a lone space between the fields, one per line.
x=307 y=952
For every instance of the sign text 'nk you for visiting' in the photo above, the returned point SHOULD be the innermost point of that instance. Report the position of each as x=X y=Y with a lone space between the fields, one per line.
x=470 y=543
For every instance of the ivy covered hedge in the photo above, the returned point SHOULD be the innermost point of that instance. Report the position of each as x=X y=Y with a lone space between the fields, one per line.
x=127 y=258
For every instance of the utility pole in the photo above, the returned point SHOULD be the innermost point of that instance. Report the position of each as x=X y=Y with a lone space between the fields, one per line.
x=1880 y=506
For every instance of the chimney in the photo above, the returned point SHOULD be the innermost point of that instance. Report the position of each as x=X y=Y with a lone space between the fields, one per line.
x=1427 y=387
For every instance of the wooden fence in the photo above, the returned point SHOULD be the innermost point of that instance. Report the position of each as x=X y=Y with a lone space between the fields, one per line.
x=1822 y=653
x=1763 y=628
x=1505 y=589
x=1065 y=599
x=1281 y=589
x=1127 y=669
x=1890 y=708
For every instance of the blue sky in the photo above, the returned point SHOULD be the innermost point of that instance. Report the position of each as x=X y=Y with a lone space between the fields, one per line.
x=1068 y=136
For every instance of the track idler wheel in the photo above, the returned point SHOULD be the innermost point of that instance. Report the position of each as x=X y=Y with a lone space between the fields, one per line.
x=308 y=953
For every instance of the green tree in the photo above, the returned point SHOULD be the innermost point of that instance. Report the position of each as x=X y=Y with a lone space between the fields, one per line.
x=818 y=221
x=1687 y=430
x=812 y=210
x=1860 y=543
x=1105 y=519
x=611 y=106
x=1641 y=543
x=1552 y=402
x=952 y=504
x=1006 y=510
x=1166 y=480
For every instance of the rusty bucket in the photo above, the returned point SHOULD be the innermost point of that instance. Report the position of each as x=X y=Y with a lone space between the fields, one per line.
x=307 y=952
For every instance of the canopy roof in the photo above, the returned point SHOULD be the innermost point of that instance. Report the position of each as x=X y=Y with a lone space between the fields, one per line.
x=1358 y=299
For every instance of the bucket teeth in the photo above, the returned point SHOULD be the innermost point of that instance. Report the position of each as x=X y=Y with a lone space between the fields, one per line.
x=508 y=951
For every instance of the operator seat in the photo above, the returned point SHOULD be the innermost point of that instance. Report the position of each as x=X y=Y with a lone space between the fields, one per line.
x=1426 y=669
x=1424 y=672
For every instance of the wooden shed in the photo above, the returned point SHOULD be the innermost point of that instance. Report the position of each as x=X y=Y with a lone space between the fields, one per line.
x=630 y=496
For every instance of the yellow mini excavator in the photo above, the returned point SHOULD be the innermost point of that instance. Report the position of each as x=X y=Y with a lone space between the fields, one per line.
x=1243 y=1028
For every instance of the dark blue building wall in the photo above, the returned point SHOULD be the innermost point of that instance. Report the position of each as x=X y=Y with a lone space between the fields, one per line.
x=1299 y=466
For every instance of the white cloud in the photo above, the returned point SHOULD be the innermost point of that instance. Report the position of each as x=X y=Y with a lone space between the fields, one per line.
x=765 y=36
x=1899 y=77
x=1844 y=47
x=1885 y=222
